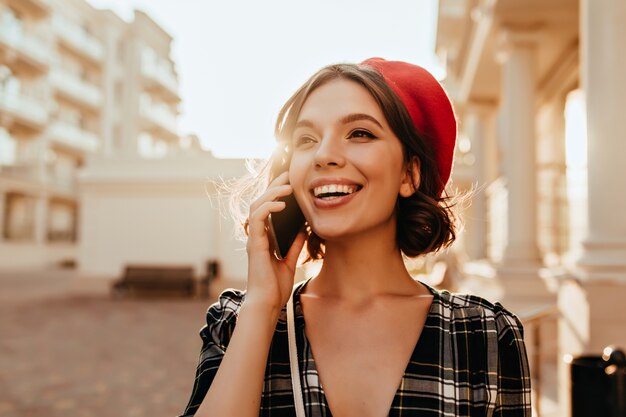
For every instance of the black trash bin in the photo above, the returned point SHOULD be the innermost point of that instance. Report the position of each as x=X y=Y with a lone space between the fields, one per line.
x=599 y=385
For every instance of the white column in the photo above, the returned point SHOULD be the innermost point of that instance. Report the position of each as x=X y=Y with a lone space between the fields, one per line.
x=519 y=267
x=591 y=304
x=2 y=211
x=517 y=134
x=603 y=69
x=41 y=219
x=476 y=129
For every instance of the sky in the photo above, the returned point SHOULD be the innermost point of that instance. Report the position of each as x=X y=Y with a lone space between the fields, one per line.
x=238 y=61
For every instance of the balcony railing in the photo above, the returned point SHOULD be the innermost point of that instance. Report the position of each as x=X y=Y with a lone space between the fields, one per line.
x=62 y=184
x=39 y=8
x=29 y=171
x=159 y=76
x=73 y=137
x=76 y=89
x=497 y=207
x=159 y=117
x=77 y=39
x=540 y=355
x=25 y=110
x=32 y=50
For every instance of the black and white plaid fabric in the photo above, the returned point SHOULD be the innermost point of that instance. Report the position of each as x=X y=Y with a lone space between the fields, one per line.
x=470 y=360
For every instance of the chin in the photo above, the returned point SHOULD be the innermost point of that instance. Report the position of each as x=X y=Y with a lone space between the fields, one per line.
x=330 y=231
x=333 y=231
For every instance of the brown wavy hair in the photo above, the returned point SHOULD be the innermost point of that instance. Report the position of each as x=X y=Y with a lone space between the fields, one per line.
x=425 y=220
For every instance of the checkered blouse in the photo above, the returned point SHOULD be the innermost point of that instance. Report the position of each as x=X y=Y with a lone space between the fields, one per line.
x=470 y=360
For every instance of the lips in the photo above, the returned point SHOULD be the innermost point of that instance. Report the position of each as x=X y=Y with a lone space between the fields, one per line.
x=333 y=192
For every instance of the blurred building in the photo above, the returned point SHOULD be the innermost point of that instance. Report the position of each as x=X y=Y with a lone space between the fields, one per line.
x=164 y=212
x=539 y=90
x=83 y=90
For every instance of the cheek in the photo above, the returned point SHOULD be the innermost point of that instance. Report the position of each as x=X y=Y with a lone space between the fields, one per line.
x=383 y=165
x=296 y=173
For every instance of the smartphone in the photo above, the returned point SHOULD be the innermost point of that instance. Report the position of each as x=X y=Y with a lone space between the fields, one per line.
x=284 y=226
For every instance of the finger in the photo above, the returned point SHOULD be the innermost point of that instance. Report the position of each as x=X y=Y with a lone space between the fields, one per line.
x=271 y=194
x=281 y=179
x=296 y=248
x=259 y=216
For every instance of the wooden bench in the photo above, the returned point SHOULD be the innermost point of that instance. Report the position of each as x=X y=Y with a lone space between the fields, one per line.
x=155 y=280
x=212 y=272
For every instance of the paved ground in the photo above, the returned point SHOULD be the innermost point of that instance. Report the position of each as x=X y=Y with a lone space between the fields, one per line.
x=67 y=350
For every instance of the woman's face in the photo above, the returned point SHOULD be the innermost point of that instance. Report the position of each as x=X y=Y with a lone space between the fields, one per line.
x=347 y=164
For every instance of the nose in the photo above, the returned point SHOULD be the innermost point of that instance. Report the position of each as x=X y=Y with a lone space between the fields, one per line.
x=329 y=153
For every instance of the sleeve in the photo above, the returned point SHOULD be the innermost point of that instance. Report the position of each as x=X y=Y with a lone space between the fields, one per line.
x=513 y=396
x=221 y=318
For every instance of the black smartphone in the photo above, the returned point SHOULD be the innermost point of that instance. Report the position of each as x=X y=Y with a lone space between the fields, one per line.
x=285 y=225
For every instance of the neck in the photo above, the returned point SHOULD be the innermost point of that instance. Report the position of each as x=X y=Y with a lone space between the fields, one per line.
x=360 y=268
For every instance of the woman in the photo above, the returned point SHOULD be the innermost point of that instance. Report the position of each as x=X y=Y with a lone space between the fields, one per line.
x=369 y=150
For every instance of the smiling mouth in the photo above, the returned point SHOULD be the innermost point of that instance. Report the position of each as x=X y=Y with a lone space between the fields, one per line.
x=333 y=191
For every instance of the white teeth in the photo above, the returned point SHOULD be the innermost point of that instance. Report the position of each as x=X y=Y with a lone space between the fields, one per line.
x=334 y=188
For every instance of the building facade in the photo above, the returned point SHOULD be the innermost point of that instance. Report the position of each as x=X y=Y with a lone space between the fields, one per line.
x=166 y=211
x=539 y=90
x=75 y=83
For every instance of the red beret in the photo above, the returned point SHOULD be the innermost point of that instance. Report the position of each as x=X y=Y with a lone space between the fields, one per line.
x=429 y=107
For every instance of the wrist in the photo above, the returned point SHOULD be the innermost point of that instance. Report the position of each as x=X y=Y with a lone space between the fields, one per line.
x=260 y=309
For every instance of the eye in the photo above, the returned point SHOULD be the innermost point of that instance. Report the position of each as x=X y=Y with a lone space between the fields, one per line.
x=361 y=134
x=302 y=141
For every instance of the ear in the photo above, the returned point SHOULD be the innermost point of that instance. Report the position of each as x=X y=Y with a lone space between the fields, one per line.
x=410 y=178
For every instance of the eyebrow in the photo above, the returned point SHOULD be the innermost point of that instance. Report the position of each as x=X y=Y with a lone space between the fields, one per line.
x=353 y=117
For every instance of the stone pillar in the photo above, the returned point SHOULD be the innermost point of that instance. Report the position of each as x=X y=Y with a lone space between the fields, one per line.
x=604 y=66
x=518 y=270
x=517 y=132
x=591 y=302
x=476 y=128
x=2 y=214
x=41 y=219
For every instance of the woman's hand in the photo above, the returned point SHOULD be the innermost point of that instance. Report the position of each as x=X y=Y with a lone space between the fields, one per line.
x=269 y=280
x=236 y=388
